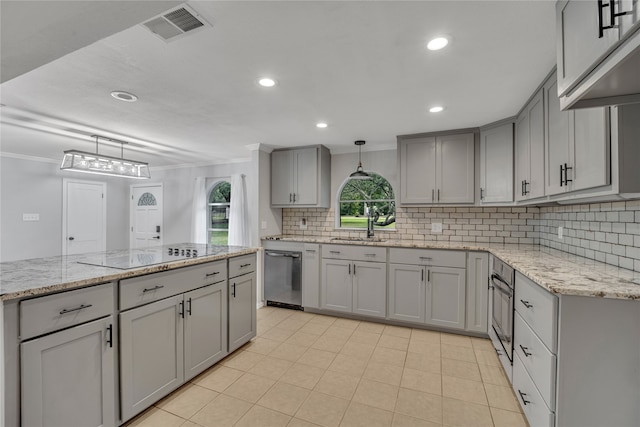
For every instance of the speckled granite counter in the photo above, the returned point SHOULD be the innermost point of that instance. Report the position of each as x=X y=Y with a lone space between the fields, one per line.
x=23 y=278
x=558 y=272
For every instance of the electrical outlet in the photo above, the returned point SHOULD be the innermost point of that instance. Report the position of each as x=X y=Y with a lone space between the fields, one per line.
x=560 y=232
x=303 y=224
x=436 y=227
x=30 y=217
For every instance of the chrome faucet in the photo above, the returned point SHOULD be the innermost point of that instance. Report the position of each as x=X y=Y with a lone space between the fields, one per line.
x=370 y=224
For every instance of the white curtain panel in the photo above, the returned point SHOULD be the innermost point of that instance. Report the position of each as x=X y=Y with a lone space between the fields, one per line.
x=239 y=227
x=199 y=209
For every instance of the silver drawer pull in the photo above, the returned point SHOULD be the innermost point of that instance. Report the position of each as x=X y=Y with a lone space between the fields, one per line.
x=369 y=254
x=310 y=250
x=524 y=350
x=70 y=310
x=155 y=288
x=426 y=258
x=334 y=252
x=526 y=303
x=212 y=274
x=244 y=265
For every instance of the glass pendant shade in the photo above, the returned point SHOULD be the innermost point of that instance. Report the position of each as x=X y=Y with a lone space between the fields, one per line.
x=82 y=161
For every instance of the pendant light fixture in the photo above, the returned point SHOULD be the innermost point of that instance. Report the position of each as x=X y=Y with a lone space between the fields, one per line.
x=359 y=173
x=99 y=164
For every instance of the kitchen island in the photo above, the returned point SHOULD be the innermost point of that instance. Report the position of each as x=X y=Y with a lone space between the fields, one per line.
x=94 y=339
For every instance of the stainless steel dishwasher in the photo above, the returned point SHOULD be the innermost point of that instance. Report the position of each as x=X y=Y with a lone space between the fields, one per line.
x=282 y=279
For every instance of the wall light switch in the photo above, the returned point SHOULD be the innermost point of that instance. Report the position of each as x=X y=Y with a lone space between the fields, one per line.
x=560 y=231
x=30 y=217
x=303 y=224
x=436 y=227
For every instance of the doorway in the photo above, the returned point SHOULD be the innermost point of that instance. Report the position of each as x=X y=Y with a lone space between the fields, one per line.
x=84 y=213
x=146 y=216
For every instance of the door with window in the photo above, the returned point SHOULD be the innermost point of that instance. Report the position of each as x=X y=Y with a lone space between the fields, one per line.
x=84 y=217
x=146 y=216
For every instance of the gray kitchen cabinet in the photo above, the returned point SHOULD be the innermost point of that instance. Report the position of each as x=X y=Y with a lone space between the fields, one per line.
x=597 y=67
x=370 y=288
x=68 y=377
x=436 y=169
x=301 y=177
x=336 y=290
x=151 y=353
x=242 y=300
x=446 y=296
x=529 y=150
x=576 y=145
x=205 y=328
x=477 y=292
x=311 y=275
x=407 y=292
x=496 y=164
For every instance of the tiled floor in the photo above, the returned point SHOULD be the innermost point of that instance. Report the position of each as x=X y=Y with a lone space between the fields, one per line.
x=306 y=370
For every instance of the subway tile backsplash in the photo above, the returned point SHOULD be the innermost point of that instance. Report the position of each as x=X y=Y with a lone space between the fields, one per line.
x=606 y=232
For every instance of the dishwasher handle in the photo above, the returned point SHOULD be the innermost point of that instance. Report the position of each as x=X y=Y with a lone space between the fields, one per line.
x=287 y=255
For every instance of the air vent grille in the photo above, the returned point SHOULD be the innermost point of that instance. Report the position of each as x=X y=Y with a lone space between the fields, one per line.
x=184 y=20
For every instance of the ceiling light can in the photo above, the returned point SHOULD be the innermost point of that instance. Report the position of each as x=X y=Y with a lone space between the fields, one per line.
x=436 y=109
x=321 y=125
x=437 y=43
x=124 y=96
x=266 y=82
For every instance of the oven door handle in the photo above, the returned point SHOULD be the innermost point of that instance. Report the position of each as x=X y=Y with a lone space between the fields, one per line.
x=501 y=287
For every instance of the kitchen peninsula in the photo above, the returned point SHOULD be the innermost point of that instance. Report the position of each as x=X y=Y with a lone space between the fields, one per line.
x=114 y=332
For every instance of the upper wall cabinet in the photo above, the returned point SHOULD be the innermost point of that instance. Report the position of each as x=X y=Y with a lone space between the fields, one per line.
x=436 y=169
x=530 y=150
x=576 y=145
x=496 y=164
x=301 y=177
x=598 y=52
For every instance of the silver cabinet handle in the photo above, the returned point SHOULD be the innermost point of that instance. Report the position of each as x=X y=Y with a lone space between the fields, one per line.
x=369 y=254
x=526 y=304
x=334 y=252
x=294 y=197
x=426 y=258
x=432 y=195
x=310 y=250
x=481 y=193
x=71 y=310
x=290 y=200
x=155 y=288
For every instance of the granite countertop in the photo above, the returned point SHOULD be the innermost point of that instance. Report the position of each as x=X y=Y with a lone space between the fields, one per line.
x=558 y=272
x=30 y=277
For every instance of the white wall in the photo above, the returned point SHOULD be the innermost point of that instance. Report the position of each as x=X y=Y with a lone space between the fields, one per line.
x=34 y=186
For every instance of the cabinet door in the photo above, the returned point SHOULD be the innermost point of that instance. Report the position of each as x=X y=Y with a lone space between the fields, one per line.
x=455 y=168
x=305 y=164
x=242 y=310
x=281 y=178
x=536 y=148
x=496 y=164
x=556 y=140
x=311 y=276
x=151 y=353
x=407 y=292
x=579 y=45
x=446 y=294
x=68 y=377
x=523 y=162
x=591 y=148
x=477 y=292
x=336 y=285
x=205 y=328
x=370 y=288
x=418 y=170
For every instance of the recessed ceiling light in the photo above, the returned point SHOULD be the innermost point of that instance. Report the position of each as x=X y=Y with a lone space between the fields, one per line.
x=436 y=109
x=437 y=43
x=321 y=125
x=124 y=96
x=266 y=82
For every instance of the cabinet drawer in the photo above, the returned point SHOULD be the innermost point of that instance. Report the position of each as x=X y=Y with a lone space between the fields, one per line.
x=428 y=257
x=53 y=312
x=153 y=287
x=355 y=253
x=538 y=308
x=536 y=411
x=539 y=362
x=242 y=265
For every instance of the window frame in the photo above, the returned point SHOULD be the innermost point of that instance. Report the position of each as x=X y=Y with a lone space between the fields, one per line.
x=212 y=204
x=337 y=219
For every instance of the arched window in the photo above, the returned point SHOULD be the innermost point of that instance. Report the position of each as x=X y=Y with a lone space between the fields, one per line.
x=361 y=197
x=218 y=213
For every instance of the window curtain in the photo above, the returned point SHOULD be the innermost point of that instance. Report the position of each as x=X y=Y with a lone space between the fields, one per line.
x=199 y=212
x=239 y=226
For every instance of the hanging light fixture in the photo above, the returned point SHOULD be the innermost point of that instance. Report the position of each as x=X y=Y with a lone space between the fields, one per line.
x=359 y=173
x=99 y=164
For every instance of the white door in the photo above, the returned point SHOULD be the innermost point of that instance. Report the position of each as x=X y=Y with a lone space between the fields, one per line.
x=84 y=217
x=146 y=216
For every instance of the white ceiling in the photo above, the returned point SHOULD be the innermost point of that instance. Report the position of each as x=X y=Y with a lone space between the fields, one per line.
x=360 y=66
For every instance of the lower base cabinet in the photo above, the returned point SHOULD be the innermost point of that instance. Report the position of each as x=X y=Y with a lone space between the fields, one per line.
x=77 y=363
x=242 y=310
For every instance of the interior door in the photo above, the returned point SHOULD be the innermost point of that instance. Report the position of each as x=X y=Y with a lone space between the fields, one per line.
x=84 y=217
x=146 y=216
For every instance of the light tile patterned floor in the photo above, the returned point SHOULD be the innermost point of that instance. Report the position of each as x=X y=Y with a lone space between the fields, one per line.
x=312 y=370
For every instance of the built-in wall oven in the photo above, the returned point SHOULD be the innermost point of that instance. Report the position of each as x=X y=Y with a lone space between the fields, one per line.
x=501 y=290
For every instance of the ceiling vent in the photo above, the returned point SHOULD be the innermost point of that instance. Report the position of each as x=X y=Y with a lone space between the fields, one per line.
x=171 y=25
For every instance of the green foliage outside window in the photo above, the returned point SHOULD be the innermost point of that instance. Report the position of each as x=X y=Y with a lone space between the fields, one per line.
x=361 y=196
x=219 y=203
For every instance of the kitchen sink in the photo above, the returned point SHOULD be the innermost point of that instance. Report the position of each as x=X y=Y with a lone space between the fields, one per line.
x=357 y=239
